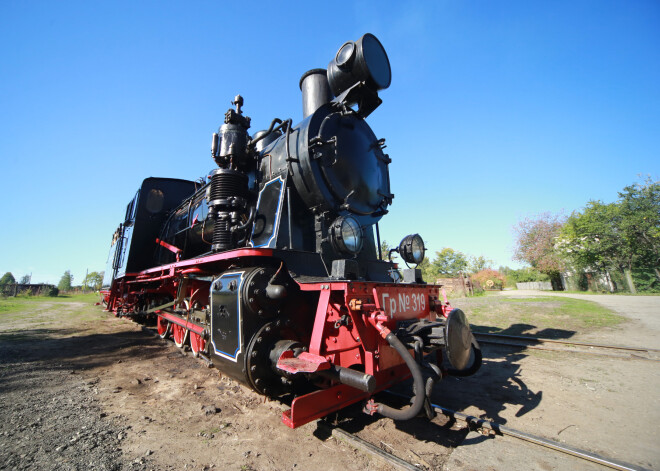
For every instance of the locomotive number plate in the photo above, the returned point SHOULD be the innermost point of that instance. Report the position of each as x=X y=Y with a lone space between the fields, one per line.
x=403 y=303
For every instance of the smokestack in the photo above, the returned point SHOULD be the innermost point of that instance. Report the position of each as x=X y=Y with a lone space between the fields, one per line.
x=315 y=90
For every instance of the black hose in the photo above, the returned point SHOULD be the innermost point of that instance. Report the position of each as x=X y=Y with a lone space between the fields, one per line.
x=418 y=385
x=270 y=129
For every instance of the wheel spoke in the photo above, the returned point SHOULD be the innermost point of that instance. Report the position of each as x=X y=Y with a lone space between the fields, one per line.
x=197 y=344
x=164 y=327
x=180 y=335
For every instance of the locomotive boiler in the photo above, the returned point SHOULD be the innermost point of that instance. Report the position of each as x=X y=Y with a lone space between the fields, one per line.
x=271 y=267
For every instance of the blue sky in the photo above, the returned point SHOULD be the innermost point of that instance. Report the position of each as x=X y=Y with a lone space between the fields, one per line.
x=497 y=110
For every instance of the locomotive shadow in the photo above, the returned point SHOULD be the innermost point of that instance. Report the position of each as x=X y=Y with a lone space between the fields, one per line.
x=353 y=420
x=525 y=330
x=498 y=385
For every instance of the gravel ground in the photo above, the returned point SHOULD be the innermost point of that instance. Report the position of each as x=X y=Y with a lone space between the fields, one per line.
x=83 y=390
x=59 y=427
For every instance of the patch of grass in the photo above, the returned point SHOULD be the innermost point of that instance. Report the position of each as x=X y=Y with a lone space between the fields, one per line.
x=7 y=306
x=549 y=316
x=37 y=312
x=12 y=304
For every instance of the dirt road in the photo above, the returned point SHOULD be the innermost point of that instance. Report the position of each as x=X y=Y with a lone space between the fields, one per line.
x=609 y=406
x=84 y=390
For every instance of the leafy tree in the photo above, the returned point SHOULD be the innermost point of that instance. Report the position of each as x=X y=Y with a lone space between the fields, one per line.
x=640 y=222
x=7 y=279
x=522 y=275
x=535 y=244
x=66 y=281
x=479 y=263
x=590 y=240
x=449 y=262
x=25 y=280
x=385 y=250
x=429 y=273
x=93 y=280
x=623 y=236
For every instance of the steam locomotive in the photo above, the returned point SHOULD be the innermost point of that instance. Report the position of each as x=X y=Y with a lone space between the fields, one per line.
x=271 y=266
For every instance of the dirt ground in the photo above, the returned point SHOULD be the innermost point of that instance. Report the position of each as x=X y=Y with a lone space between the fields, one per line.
x=90 y=391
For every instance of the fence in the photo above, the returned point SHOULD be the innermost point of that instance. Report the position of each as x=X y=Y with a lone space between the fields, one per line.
x=13 y=289
x=461 y=286
x=539 y=285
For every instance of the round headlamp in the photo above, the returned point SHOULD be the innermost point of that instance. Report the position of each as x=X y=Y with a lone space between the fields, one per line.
x=346 y=235
x=412 y=249
x=364 y=60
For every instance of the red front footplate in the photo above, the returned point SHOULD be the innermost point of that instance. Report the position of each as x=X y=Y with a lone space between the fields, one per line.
x=303 y=363
x=320 y=403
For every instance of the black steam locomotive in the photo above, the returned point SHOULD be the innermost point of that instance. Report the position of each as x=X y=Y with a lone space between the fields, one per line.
x=271 y=266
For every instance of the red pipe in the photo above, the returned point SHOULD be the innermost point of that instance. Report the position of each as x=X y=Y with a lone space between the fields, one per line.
x=182 y=322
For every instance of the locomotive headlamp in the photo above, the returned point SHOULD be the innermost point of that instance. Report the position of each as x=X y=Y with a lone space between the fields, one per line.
x=412 y=249
x=364 y=60
x=346 y=235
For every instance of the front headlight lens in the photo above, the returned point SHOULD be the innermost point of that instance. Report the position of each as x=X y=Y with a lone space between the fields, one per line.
x=346 y=235
x=412 y=249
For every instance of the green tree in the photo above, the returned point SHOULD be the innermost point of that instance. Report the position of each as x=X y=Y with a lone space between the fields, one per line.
x=536 y=238
x=522 y=275
x=66 y=281
x=449 y=262
x=385 y=249
x=429 y=273
x=621 y=236
x=7 y=279
x=93 y=280
x=590 y=241
x=480 y=263
x=25 y=279
x=640 y=222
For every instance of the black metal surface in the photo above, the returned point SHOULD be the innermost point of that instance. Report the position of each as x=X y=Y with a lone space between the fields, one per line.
x=231 y=145
x=350 y=164
x=349 y=377
x=261 y=358
x=315 y=90
x=419 y=389
x=227 y=317
x=458 y=339
x=134 y=249
x=364 y=60
x=269 y=214
x=227 y=201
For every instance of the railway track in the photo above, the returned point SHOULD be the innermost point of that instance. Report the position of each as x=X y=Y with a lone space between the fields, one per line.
x=479 y=425
x=616 y=351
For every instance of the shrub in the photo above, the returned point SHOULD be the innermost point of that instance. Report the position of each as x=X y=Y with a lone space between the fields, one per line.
x=490 y=279
x=54 y=291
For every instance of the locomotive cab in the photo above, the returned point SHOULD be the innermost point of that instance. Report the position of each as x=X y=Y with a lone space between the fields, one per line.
x=134 y=242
